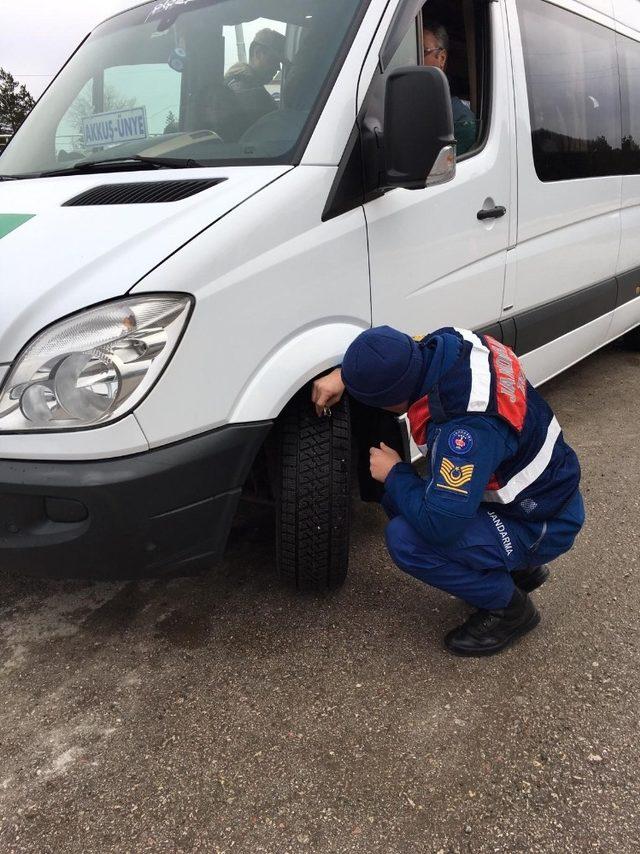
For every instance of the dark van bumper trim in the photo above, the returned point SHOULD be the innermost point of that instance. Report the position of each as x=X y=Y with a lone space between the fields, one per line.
x=129 y=517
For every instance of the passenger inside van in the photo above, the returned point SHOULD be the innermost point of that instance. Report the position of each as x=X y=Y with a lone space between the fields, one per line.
x=247 y=80
x=435 y=43
x=454 y=38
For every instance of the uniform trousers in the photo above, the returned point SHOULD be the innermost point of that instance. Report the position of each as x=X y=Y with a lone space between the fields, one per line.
x=478 y=567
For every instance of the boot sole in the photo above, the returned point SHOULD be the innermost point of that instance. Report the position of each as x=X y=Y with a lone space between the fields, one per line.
x=493 y=650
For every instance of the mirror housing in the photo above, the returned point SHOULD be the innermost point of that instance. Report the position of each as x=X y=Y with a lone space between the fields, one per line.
x=419 y=144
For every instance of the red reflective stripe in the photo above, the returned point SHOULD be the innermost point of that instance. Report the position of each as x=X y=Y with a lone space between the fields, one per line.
x=511 y=384
x=419 y=417
x=493 y=483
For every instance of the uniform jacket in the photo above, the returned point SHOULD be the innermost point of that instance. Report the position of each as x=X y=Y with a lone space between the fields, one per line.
x=489 y=438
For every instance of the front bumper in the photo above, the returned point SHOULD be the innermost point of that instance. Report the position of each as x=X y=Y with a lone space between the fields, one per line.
x=142 y=515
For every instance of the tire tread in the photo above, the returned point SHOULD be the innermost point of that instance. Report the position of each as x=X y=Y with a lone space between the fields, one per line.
x=313 y=495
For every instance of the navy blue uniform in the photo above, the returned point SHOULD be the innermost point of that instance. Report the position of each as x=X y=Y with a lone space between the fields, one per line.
x=502 y=488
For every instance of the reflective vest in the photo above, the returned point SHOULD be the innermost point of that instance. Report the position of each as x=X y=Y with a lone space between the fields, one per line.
x=488 y=379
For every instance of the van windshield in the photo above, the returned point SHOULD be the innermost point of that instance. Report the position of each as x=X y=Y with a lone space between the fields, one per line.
x=198 y=82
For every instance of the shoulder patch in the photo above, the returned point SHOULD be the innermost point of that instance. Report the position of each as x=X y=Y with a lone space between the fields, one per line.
x=460 y=441
x=454 y=475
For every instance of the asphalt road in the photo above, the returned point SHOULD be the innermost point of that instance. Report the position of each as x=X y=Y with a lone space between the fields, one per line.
x=223 y=714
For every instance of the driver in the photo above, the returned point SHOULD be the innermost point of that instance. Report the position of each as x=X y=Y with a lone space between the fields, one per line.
x=436 y=53
x=248 y=79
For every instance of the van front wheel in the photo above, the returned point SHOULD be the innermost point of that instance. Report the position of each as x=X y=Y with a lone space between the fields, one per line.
x=631 y=339
x=313 y=493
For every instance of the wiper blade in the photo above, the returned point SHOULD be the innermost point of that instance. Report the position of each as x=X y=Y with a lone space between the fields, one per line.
x=135 y=161
x=151 y=162
x=7 y=178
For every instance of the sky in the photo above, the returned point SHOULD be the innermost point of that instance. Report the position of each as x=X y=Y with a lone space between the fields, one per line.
x=37 y=36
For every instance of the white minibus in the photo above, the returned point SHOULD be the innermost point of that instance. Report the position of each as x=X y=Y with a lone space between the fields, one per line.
x=213 y=198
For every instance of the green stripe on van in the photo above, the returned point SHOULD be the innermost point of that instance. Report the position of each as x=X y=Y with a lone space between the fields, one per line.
x=9 y=222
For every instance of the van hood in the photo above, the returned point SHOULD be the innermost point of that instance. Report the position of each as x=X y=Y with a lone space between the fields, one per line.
x=57 y=259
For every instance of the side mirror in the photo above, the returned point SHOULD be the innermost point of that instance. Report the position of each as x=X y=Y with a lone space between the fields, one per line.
x=419 y=145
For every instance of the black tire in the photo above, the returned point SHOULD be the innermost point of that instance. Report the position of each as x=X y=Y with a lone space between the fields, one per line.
x=313 y=494
x=631 y=339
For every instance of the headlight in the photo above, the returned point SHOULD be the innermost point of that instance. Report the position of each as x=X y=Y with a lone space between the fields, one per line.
x=93 y=367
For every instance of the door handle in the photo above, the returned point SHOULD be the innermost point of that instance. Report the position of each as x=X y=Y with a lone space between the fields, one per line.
x=492 y=213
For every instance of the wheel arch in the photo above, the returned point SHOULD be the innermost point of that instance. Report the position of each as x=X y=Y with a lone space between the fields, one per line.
x=291 y=365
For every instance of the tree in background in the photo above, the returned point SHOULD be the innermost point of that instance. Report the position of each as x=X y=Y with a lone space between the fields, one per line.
x=15 y=102
x=82 y=107
x=171 y=123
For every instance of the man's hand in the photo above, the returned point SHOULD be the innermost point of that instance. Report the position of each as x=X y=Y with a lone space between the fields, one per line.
x=327 y=391
x=381 y=461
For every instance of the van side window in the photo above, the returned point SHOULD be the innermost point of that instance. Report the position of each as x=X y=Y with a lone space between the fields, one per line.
x=629 y=57
x=463 y=25
x=455 y=38
x=571 y=68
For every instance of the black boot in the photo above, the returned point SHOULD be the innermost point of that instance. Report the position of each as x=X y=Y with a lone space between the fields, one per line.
x=488 y=632
x=531 y=578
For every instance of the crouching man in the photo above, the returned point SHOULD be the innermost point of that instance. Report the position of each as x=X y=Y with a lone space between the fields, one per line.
x=501 y=498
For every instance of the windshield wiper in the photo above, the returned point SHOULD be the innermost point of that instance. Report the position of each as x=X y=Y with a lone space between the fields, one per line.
x=134 y=161
x=151 y=162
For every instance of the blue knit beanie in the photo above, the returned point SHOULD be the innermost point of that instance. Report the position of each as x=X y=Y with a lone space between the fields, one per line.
x=382 y=367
